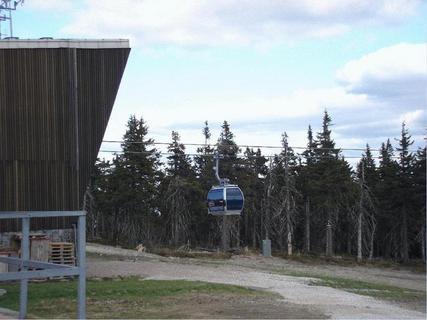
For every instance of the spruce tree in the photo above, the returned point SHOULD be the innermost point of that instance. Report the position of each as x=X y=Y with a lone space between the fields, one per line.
x=228 y=168
x=181 y=194
x=386 y=189
x=203 y=162
x=309 y=152
x=325 y=144
x=405 y=195
x=420 y=201
x=228 y=148
x=283 y=196
x=332 y=184
x=204 y=225
x=366 y=209
x=251 y=180
x=99 y=188
x=304 y=183
x=178 y=162
x=369 y=169
x=134 y=182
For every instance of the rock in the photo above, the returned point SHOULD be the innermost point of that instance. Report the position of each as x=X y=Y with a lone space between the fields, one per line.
x=140 y=248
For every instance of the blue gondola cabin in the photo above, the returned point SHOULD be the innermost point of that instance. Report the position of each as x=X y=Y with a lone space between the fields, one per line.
x=225 y=200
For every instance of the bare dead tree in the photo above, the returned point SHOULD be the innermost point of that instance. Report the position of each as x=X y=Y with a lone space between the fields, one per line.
x=290 y=209
x=235 y=231
x=284 y=204
x=225 y=233
x=329 y=241
x=267 y=204
x=366 y=222
x=421 y=237
x=283 y=216
x=307 y=225
x=333 y=207
x=91 y=212
x=178 y=216
x=230 y=232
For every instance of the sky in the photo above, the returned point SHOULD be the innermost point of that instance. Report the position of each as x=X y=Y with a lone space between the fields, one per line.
x=265 y=66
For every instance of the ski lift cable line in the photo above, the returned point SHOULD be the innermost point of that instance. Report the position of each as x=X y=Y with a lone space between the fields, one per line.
x=240 y=157
x=243 y=146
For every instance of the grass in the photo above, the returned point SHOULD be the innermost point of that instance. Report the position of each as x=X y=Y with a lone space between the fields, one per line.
x=370 y=289
x=376 y=290
x=113 y=298
x=350 y=261
x=172 y=252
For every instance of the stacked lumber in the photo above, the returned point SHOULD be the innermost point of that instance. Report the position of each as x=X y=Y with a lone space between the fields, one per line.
x=62 y=253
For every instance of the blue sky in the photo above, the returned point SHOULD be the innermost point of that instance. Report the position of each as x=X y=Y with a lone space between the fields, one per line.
x=265 y=66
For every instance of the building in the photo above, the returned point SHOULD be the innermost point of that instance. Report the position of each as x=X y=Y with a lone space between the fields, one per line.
x=56 y=97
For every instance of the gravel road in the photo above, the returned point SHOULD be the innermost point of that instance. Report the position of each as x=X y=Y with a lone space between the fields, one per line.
x=334 y=303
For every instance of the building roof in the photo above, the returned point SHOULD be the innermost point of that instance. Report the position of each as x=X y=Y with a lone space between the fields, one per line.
x=63 y=43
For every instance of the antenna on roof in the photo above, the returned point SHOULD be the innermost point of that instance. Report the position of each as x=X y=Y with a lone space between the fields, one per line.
x=6 y=8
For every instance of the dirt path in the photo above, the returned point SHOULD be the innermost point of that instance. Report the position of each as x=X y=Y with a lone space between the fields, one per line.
x=295 y=290
x=399 y=278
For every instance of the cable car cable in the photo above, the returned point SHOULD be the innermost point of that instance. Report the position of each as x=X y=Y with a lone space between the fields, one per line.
x=237 y=156
x=244 y=146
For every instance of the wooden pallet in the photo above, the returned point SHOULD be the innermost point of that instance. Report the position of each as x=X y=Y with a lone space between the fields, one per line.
x=62 y=253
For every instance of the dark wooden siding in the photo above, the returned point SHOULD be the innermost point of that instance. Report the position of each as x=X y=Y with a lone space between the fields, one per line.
x=54 y=109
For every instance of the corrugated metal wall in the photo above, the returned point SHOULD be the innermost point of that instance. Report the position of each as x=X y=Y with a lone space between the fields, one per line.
x=54 y=109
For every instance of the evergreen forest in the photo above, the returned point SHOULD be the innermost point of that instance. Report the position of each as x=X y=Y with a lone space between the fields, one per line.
x=310 y=202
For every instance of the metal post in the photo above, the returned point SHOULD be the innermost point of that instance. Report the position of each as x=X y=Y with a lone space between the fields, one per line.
x=216 y=168
x=48 y=269
x=81 y=256
x=25 y=255
x=10 y=24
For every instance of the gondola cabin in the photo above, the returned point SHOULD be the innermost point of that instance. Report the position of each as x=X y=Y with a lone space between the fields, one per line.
x=225 y=200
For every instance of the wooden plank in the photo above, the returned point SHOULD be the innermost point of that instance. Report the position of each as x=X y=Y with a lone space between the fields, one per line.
x=62 y=253
x=39 y=250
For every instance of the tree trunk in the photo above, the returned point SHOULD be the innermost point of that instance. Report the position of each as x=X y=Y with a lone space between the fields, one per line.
x=254 y=244
x=405 y=254
x=289 y=238
x=225 y=237
x=116 y=228
x=371 y=248
x=307 y=225
x=329 y=239
x=288 y=229
x=237 y=225
x=349 y=244
x=267 y=219
x=102 y=231
x=280 y=240
x=359 y=235
x=423 y=242
x=288 y=218
x=360 y=216
x=246 y=222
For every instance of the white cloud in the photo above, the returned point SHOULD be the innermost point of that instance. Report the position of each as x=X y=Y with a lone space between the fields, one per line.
x=412 y=116
x=396 y=74
x=386 y=63
x=231 y=22
x=363 y=108
x=254 y=120
x=300 y=103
